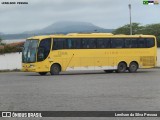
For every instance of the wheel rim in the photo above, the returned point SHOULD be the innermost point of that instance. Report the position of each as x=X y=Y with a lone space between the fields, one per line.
x=56 y=69
x=122 y=67
x=133 y=67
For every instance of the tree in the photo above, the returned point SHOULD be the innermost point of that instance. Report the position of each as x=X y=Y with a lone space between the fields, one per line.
x=151 y=29
x=126 y=29
x=1 y=43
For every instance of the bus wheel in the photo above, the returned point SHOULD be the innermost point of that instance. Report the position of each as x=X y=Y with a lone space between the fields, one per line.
x=109 y=71
x=133 y=67
x=42 y=73
x=121 y=67
x=55 y=69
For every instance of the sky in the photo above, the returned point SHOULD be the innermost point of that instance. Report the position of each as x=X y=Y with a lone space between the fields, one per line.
x=109 y=14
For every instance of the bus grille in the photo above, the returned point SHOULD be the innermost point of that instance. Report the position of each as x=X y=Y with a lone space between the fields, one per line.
x=148 y=60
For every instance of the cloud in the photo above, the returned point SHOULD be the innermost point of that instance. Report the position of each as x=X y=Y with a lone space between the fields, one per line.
x=104 y=13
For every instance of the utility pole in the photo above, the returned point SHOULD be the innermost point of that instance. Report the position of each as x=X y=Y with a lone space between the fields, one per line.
x=130 y=18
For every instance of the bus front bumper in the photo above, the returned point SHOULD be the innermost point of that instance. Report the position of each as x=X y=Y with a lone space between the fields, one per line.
x=29 y=67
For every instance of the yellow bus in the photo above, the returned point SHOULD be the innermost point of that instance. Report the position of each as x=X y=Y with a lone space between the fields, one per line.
x=90 y=51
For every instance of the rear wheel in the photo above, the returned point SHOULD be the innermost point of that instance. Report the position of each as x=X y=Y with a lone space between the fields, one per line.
x=121 y=67
x=55 y=69
x=109 y=71
x=133 y=67
x=42 y=73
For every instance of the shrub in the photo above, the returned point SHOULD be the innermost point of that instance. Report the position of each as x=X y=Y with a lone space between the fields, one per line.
x=10 y=49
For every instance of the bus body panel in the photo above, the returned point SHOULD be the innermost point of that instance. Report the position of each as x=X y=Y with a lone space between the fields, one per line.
x=94 y=59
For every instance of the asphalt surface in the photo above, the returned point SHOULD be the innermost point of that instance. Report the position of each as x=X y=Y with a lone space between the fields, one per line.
x=81 y=91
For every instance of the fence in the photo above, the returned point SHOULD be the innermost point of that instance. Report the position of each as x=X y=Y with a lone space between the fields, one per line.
x=10 y=61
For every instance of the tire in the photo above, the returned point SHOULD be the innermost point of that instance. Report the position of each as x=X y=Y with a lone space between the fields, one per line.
x=55 y=69
x=42 y=73
x=109 y=71
x=133 y=67
x=121 y=67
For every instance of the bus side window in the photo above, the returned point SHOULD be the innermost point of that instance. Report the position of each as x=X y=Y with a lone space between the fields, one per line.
x=128 y=43
x=150 y=42
x=45 y=44
x=69 y=41
x=84 y=43
x=141 y=43
x=55 y=44
x=117 y=42
x=65 y=46
x=101 y=43
x=77 y=43
x=134 y=43
x=92 y=43
x=107 y=42
x=58 y=44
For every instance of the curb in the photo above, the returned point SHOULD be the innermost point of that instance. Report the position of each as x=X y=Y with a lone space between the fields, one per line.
x=15 y=70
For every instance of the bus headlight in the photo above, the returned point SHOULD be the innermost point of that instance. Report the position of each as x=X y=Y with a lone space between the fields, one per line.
x=31 y=66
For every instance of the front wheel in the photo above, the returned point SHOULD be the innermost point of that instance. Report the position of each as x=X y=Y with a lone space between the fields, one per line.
x=55 y=69
x=42 y=73
x=121 y=67
x=133 y=67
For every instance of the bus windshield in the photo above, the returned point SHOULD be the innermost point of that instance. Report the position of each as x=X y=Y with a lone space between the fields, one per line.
x=29 y=51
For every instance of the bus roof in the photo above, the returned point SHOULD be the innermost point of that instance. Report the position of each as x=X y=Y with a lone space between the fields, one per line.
x=79 y=35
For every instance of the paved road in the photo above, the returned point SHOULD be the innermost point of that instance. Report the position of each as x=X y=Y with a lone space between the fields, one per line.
x=89 y=91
